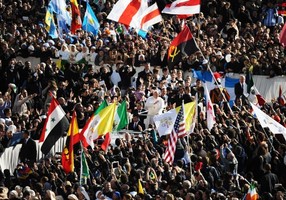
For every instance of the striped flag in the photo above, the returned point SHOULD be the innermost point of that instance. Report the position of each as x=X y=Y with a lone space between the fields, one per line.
x=135 y=13
x=55 y=126
x=252 y=194
x=182 y=46
x=179 y=128
x=183 y=7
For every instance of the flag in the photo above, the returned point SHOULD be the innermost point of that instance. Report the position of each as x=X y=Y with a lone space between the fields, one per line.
x=165 y=122
x=121 y=117
x=60 y=8
x=68 y=154
x=183 y=7
x=282 y=36
x=55 y=126
x=204 y=76
x=50 y=23
x=62 y=25
x=268 y=122
x=84 y=170
x=135 y=13
x=90 y=22
x=106 y=142
x=183 y=45
x=251 y=194
x=99 y=124
x=140 y=188
x=76 y=20
x=280 y=98
x=150 y=17
x=281 y=9
x=179 y=128
x=210 y=110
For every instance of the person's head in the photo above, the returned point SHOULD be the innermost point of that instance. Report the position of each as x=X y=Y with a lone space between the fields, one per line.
x=135 y=118
x=147 y=66
x=242 y=79
x=26 y=134
x=155 y=93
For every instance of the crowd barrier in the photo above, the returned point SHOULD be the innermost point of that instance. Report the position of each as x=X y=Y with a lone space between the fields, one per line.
x=267 y=87
x=10 y=157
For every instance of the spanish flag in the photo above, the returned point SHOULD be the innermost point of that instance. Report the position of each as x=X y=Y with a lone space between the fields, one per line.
x=68 y=154
x=76 y=18
x=182 y=46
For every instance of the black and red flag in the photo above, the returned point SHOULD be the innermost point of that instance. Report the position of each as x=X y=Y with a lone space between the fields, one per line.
x=183 y=45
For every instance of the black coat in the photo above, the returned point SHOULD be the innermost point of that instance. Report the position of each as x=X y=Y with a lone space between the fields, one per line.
x=28 y=151
x=132 y=126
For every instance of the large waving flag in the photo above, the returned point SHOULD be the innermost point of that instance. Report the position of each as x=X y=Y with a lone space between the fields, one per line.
x=135 y=13
x=183 y=7
x=76 y=18
x=120 y=122
x=268 y=122
x=183 y=45
x=179 y=128
x=99 y=124
x=68 y=154
x=90 y=22
x=60 y=8
x=210 y=109
x=55 y=126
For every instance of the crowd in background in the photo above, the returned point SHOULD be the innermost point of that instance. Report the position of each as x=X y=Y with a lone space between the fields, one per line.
x=234 y=37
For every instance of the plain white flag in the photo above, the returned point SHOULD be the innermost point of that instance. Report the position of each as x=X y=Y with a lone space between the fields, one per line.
x=268 y=122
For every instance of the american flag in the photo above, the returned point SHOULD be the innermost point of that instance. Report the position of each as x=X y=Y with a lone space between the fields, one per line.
x=179 y=128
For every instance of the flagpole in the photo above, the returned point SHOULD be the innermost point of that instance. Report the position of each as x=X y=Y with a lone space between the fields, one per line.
x=223 y=96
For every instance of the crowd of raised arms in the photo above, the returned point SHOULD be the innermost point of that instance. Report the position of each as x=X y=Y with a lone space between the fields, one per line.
x=224 y=162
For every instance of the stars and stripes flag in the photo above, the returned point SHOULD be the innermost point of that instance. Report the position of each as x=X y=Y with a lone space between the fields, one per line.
x=179 y=128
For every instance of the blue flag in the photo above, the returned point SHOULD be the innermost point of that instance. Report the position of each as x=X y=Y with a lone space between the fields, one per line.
x=90 y=22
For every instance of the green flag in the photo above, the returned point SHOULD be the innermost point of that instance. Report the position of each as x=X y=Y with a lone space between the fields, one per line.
x=84 y=170
x=101 y=106
x=121 y=117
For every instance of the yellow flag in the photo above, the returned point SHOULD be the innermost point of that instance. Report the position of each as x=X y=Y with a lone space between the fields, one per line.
x=190 y=109
x=99 y=124
x=140 y=188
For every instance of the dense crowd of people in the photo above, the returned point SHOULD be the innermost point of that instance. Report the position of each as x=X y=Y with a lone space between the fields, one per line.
x=221 y=163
